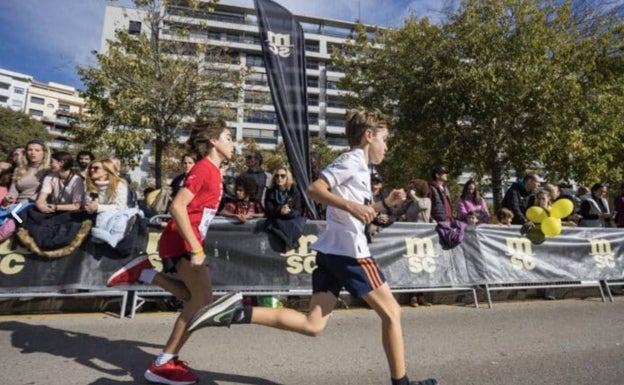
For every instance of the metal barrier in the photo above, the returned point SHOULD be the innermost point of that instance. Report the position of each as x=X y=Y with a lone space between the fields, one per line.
x=545 y=285
x=123 y=294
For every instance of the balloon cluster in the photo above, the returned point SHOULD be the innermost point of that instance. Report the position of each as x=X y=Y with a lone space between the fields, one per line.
x=550 y=219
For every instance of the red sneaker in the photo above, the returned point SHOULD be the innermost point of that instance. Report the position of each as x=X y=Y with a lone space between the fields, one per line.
x=130 y=272
x=173 y=372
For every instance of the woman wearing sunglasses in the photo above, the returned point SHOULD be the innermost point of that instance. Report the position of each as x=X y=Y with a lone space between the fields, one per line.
x=282 y=208
x=106 y=190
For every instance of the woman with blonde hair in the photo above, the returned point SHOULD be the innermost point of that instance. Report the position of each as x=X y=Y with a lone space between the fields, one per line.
x=106 y=190
x=31 y=167
x=283 y=209
x=282 y=199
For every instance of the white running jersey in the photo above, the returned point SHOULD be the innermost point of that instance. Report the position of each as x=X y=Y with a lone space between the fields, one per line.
x=349 y=178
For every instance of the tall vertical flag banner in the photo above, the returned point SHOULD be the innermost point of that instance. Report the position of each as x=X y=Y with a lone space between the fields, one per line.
x=283 y=51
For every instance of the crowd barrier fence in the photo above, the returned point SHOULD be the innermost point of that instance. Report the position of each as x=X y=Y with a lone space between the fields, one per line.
x=244 y=257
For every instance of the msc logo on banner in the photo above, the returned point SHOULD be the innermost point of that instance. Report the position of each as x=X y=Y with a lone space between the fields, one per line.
x=420 y=255
x=279 y=43
x=302 y=259
x=520 y=253
x=11 y=261
x=601 y=253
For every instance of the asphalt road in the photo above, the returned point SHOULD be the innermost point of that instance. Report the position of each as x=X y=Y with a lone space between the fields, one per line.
x=567 y=342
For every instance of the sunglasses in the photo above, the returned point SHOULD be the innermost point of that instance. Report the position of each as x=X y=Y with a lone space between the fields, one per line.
x=280 y=175
x=94 y=168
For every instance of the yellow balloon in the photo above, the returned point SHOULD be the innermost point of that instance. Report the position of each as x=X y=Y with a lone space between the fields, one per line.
x=562 y=208
x=551 y=227
x=536 y=214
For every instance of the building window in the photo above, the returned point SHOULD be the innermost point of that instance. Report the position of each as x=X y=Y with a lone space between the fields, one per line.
x=335 y=122
x=312 y=65
x=312 y=46
x=261 y=136
x=334 y=102
x=17 y=104
x=37 y=100
x=257 y=97
x=134 y=28
x=4 y=86
x=337 y=140
x=256 y=79
x=18 y=90
x=264 y=117
x=63 y=107
x=34 y=112
x=332 y=84
x=4 y=99
x=254 y=61
x=312 y=83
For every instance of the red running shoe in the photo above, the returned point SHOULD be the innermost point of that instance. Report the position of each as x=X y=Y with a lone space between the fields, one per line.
x=130 y=272
x=173 y=372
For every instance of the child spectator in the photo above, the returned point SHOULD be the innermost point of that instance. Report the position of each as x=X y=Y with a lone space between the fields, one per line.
x=504 y=216
x=472 y=218
x=244 y=206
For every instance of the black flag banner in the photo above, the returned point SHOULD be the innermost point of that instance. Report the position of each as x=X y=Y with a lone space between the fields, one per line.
x=283 y=51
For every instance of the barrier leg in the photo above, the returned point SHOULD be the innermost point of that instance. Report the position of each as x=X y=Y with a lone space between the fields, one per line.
x=474 y=297
x=487 y=294
x=606 y=283
x=124 y=302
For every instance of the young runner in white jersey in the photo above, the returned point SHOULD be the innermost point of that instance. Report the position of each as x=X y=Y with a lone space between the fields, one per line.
x=343 y=259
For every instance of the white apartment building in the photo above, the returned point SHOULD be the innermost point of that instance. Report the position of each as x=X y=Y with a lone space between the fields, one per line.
x=13 y=89
x=53 y=104
x=236 y=28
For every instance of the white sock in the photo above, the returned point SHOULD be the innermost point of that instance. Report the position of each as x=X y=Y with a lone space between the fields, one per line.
x=147 y=275
x=163 y=358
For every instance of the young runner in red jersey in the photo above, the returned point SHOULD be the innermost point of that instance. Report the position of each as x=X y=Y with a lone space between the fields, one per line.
x=181 y=246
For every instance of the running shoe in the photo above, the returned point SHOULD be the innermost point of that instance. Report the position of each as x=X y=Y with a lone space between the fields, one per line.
x=130 y=272
x=218 y=313
x=173 y=372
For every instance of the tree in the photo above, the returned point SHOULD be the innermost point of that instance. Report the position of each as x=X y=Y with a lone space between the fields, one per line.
x=146 y=88
x=503 y=85
x=17 y=128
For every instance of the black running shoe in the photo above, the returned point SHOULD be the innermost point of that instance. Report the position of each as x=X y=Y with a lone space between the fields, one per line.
x=430 y=381
x=218 y=313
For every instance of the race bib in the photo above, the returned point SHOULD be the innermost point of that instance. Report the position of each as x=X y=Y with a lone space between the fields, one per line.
x=207 y=217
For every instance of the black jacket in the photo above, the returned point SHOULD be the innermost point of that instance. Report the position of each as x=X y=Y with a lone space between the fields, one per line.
x=517 y=200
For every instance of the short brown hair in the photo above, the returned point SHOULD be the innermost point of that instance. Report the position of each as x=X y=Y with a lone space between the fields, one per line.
x=504 y=213
x=359 y=120
x=202 y=131
x=421 y=187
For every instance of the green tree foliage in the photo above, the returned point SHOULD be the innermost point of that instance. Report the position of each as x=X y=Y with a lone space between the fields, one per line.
x=146 y=89
x=501 y=85
x=17 y=128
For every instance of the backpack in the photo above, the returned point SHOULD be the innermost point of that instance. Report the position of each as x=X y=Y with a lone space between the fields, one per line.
x=161 y=203
x=451 y=233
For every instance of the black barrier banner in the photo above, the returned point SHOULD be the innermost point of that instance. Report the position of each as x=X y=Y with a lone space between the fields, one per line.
x=245 y=257
x=283 y=51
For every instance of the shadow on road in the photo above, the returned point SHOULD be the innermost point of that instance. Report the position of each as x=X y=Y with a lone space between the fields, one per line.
x=114 y=358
